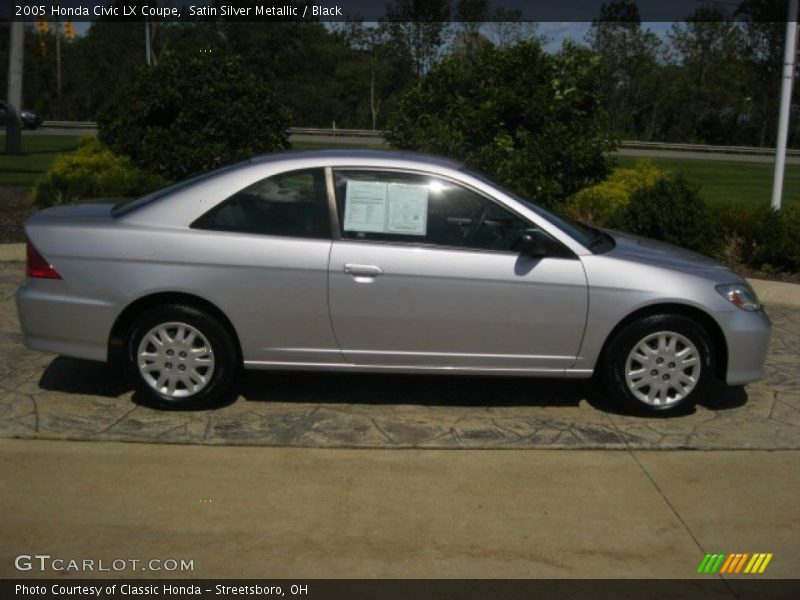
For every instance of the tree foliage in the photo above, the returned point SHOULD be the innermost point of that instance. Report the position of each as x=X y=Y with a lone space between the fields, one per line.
x=713 y=78
x=713 y=95
x=671 y=210
x=189 y=115
x=628 y=68
x=529 y=119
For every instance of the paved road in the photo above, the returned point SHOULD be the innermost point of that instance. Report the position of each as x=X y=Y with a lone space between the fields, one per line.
x=349 y=140
x=43 y=396
x=60 y=131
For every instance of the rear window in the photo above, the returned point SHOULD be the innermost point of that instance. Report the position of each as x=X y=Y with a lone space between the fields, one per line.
x=128 y=206
x=290 y=204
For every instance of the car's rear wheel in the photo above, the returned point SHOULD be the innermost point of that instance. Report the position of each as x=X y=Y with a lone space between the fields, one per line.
x=659 y=363
x=180 y=356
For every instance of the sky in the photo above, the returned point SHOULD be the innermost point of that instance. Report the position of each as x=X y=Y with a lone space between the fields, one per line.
x=555 y=32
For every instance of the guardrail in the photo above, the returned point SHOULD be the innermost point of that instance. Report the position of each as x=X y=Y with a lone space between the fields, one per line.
x=335 y=132
x=69 y=125
x=634 y=145
x=373 y=133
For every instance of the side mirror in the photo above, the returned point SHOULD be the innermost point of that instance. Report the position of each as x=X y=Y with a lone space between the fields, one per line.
x=533 y=242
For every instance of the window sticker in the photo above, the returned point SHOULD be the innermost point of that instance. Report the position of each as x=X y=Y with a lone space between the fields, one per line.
x=408 y=209
x=365 y=206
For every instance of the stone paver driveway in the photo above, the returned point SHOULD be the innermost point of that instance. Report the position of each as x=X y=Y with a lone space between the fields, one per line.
x=44 y=396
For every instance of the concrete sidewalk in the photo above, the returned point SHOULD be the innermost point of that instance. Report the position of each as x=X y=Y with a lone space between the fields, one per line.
x=313 y=513
x=12 y=252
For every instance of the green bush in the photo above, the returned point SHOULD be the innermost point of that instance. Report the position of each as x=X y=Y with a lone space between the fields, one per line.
x=189 y=115
x=528 y=119
x=670 y=210
x=598 y=203
x=758 y=236
x=792 y=216
x=93 y=171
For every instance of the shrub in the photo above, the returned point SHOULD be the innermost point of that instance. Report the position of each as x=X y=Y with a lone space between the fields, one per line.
x=758 y=236
x=670 y=210
x=530 y=120
x=189 y=115
x=93 y=171
x=792 y=216
x=598 y=203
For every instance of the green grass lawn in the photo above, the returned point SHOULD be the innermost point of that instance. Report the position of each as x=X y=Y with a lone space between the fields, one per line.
x=39 y=152
x=722 y=181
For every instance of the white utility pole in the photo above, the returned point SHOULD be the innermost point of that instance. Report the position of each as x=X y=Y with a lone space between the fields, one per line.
x=786 y=104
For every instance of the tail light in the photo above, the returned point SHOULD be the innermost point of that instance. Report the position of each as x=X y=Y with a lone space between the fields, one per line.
x=38 y=266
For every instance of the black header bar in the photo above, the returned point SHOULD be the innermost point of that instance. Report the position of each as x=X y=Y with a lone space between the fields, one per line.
x=366 y=10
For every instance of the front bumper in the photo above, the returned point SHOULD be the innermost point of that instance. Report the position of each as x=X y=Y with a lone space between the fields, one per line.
x=747 y=335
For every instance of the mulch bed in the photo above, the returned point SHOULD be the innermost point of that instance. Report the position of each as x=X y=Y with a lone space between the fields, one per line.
x=16 y=205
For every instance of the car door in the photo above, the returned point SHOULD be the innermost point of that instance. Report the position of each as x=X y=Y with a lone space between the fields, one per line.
x=264 y=253
x=424 y=275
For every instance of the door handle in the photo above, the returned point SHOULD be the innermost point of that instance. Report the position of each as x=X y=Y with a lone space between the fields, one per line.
x=363 y=270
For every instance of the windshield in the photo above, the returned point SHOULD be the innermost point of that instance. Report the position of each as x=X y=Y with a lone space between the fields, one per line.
x=589 y=237
x=127 y=206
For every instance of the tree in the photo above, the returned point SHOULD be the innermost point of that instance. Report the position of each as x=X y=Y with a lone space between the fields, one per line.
x=630 y=61
x=419 y=30
x=529 y=119
x=190 y=115
x=710 y=82
x=469 y=16
x=373 y=74
x=508 y=28
x=764 y=31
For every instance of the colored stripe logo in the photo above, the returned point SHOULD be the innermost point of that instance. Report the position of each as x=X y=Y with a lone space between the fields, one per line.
x=741 y=562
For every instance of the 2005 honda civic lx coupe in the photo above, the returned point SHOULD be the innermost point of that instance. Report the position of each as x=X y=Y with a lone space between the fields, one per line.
x=377 y=261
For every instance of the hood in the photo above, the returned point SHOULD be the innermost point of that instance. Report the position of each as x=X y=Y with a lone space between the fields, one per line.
x=660 y=254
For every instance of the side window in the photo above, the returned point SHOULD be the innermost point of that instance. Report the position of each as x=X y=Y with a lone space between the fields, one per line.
x=408 y=207
x=293 y=204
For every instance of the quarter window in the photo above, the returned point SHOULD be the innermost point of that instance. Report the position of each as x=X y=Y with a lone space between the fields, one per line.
x=409 y=207
x=292 y=204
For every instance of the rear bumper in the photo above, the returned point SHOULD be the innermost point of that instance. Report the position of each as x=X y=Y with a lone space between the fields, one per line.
x=55 y=321
x=747 y=335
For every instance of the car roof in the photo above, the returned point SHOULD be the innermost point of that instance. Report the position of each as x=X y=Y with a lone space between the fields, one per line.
x=357 y=155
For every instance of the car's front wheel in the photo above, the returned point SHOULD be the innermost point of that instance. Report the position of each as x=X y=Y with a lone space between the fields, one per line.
x=180 y=356
x=659 y=363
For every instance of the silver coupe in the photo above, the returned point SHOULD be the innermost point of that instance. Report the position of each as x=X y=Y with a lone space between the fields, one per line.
x=377 y=261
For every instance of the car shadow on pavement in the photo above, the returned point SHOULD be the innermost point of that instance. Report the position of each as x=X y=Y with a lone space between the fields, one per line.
x=78 y=376
x=83 y=377
x=453 y=390
x=375 y=388
x=720 y=397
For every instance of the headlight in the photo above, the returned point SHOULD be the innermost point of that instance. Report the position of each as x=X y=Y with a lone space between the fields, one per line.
x=740 y=295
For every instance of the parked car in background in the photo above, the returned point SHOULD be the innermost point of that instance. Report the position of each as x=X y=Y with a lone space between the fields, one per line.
x=30 y=120
x=377 y=261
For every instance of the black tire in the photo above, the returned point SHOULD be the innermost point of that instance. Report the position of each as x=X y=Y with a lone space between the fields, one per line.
x=620 y=348
x=219 y=386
